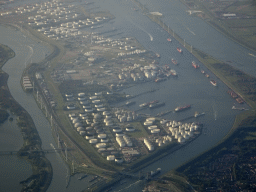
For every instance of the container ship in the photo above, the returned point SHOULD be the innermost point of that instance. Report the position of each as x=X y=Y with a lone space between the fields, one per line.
x=214 y=83
x=175 y=62
x=195 y=65
x=179 y=49
x=155 y=105
x=169 y=39
x=178 y=109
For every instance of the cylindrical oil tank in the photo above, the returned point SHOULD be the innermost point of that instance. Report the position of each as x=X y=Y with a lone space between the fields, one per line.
x=93 y=141
x=117 y=130
x=81 y=94
x=88 y=137
x=152 y=127
x=82 y=114
x=100 y=150
x=96 y=101
x=81 y=98
x=72 y=115
x=119 y=160
x=83 y=102
x=101 y=145
x=111 y=157
x=130 y=129
x=85 y=118
x=75 y=121
x=77 y=125
x=104 y=140
x=101 y=109
x=151 y=119
x=88 y=110
x=99 y=106
x=106 y=113
x=148 y=123
x=80 y=129
x=82 y=133
x=102 y=136
x=109 y=123
x=93 y=97
x=154 y=131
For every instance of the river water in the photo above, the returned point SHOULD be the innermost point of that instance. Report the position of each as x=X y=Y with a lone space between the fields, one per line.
x=191 y=87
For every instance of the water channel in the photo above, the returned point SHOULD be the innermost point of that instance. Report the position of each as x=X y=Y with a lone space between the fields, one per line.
x=191 y=87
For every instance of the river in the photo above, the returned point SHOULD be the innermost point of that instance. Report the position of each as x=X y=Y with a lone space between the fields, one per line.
x=191 y=87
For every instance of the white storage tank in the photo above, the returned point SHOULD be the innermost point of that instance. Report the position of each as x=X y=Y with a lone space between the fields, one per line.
x=93 y=141
x=82 y=133
x=78 y=125
x=104 y=140
x=102 y=136
x=88 y=137
x=96 y=101
x=148 y=123
x=101 y=109
x=119 y=160
x=111 y=157
x=93 y=97
x=101 y=145
x=152 y=127
x=80 y=129
x=155 y=131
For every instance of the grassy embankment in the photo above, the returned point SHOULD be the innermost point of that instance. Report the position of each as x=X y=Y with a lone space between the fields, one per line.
x=41 y=168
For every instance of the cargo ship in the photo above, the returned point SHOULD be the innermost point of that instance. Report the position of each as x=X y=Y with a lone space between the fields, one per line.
x=149 y=103
x=179 y=49
x=178 y=109
x=214 y=83
x=128 y=103
x=195 y=65
x=155 y=105
x=174 y=62
x=169 y=39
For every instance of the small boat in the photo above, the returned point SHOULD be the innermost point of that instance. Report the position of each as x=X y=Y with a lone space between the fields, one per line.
x=179 y=50
x=175 y=62
x=195 y=65
x=169 y=39
x=214 y=83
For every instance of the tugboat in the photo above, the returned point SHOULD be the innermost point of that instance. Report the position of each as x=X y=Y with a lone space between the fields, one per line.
x=195 y=65
x=214 y=83
x=174 y=62
x=179 y=50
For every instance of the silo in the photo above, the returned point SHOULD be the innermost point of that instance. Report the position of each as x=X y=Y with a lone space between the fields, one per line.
x=148 y=123
x=101 y=145
x=82 y=133
x=155 y=131
x=80 y=129
x=119 y=160
x=102 y=136
x=93 y=141
x=111 y=157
